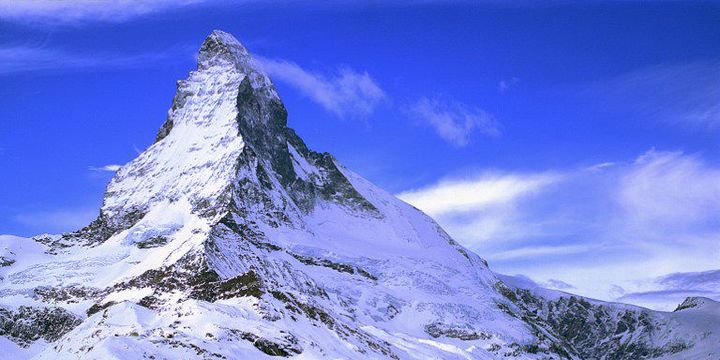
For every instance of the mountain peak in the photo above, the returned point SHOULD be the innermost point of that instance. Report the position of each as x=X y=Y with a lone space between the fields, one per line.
x=225 y=136
x=697 y=302
x=220 y=45
x=223 y=49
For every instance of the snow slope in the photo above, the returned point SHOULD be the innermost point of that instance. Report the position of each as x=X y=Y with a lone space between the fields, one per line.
x=229 y=238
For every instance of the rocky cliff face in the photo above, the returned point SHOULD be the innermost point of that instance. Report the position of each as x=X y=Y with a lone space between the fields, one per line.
x=230 y=238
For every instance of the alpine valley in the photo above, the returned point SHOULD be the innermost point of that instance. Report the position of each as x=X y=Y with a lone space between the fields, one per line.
x=228 y=238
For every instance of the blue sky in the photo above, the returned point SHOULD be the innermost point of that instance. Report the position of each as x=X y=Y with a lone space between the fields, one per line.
x=576 y=143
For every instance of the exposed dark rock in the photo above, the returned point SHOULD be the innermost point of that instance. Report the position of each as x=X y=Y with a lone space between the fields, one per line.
x=28 y=324
x=346 y=268
x=69 y=294
x=153 y=242
x=103 y=227
x=99 y=307
x=288 y=347
x=438 y=329
x=588 y=330
x=691 y=302
x=193 y=276
x=4 y=261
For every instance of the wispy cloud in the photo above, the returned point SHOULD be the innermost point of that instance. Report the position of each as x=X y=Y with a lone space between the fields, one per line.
x=345 y=93
x=702 y=280
x=601 y=166
x=558 y=284
x=483 y=208
x=482 y=191
x=681 y=94
x=671 y=190
x=453 y=121
x=525 y=282
x=646 y=217
x=23 y=58
x=86 y=10
x=106 y=168
x=529 y=252
x=665 y=292
x=506 y=85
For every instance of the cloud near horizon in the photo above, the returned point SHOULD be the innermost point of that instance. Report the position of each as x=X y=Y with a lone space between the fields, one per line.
x=346 y=93
x=636 y=215
x=664 y=292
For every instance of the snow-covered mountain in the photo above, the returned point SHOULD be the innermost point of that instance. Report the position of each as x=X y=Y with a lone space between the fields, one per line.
x=228 y=238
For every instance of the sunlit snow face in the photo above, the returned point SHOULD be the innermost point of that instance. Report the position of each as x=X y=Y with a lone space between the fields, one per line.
x=196 y=160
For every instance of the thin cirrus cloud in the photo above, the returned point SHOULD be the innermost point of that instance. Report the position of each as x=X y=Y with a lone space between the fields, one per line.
x=79 y=11
x=530 y=252
x=524 y=281
x=636 y=215
x=485 y=190
x=23 y=58
x=703 y=280
x=106 y=168
x=671 y=191
x=453 y=121
x=558 y=284
x=684 y=94
x=482 y=209
x=676 y=287
x=346 y=93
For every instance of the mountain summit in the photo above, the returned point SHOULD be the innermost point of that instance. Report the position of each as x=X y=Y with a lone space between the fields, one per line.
x=229 y=238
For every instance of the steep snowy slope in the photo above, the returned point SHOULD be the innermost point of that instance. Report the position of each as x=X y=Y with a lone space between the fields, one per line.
x=229 y=238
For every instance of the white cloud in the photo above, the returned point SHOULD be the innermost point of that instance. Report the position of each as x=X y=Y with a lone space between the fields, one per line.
x=86 y=10
x=454 y=122
x=345 y=93
x=22 y=58
x=667 y=291
x=610 y=229
x=448 y=196
x=529 y=252
x=670 y=191
x=601 y=166
x=108 y=168
x=482 y=209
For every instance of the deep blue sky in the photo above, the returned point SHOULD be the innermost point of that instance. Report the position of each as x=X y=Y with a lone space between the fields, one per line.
x=559 y=88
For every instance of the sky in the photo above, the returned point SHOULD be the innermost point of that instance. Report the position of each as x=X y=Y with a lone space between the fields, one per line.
x=576 y=144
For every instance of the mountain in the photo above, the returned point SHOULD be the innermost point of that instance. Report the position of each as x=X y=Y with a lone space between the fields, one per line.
x=228 y=238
